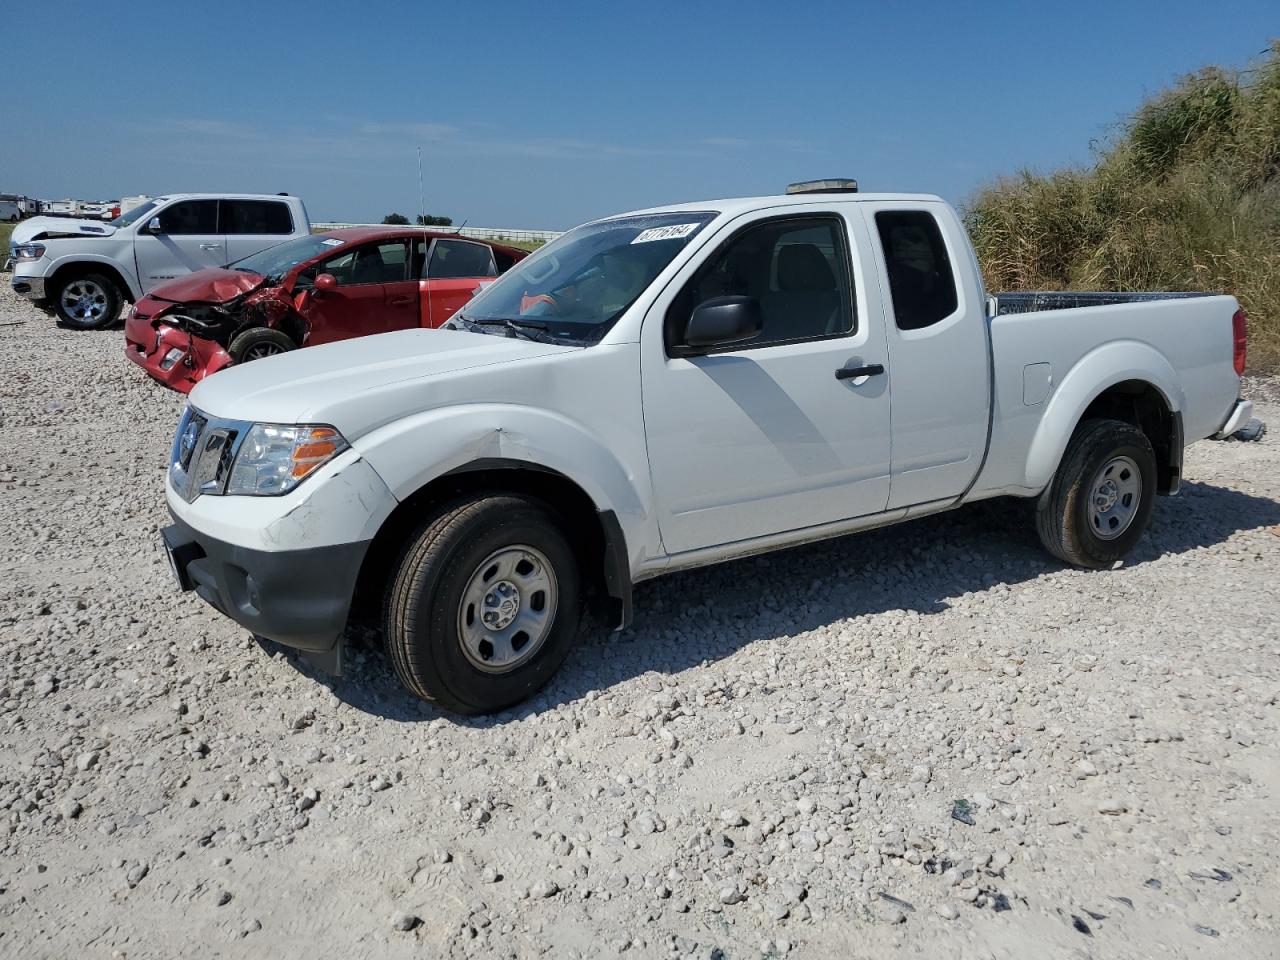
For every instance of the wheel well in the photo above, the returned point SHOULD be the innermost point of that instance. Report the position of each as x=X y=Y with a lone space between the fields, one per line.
x=292 y=326
x=1143 y=405
x=82 y=267
x=583 y=524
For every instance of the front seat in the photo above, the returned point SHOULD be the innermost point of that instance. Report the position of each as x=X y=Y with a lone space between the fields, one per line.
x=806 y=303
x=369 y=268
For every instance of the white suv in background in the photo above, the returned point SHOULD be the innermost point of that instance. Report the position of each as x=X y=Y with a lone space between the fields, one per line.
x=84 y=270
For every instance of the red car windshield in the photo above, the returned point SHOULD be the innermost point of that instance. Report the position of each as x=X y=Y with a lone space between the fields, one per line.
x=274 y=262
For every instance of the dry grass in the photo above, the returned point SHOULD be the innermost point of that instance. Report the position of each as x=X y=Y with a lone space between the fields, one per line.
x=1186 y=197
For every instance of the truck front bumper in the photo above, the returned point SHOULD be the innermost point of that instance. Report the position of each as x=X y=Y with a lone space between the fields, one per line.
x=1240 y=414
x=299 y=598
x=32 y=288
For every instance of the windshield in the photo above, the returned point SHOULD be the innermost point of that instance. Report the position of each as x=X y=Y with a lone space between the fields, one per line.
x=134 y=215
x=274 y=262
x=576 y=288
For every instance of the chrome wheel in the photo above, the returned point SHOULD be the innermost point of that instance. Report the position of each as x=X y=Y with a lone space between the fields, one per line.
x=85 y=301
x=507 y=609
x=1114 y=496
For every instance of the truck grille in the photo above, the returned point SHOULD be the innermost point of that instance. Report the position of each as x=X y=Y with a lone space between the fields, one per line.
x=203 y=452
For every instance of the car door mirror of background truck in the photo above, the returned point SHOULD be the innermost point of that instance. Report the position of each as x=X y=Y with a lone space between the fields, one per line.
x=325 y=283
x=723 y=320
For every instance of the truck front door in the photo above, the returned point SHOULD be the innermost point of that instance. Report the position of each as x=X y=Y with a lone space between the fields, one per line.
x=938 y=351
x=763 y=437
x=179 y=239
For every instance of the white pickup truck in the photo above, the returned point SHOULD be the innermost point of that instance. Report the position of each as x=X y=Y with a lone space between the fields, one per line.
x=84 y=270
x=670 y=388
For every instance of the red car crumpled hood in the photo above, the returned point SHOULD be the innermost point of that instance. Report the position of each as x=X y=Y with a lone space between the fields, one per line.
x=215 y=285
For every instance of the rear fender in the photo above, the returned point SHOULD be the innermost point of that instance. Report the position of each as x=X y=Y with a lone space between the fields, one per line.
x=1094 y=373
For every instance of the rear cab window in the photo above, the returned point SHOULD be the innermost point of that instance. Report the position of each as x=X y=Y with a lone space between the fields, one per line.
x=921 y=283
x=256 y=217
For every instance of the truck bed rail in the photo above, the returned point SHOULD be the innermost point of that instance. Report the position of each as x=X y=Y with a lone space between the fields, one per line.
x=1029 y=301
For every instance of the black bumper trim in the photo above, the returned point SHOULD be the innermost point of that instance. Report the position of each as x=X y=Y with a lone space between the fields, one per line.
x=298 y=598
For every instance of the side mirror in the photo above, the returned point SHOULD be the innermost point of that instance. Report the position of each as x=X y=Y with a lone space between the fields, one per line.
x=723 y=320
x=326 y=282
x=153 y=225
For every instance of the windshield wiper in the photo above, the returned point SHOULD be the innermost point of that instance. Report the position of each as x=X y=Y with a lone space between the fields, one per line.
x=514 y=328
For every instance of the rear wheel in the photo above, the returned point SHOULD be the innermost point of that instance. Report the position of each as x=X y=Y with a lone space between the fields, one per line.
x=258 y=343
x=485 y=604
x=90 y=301
x=1099 y=502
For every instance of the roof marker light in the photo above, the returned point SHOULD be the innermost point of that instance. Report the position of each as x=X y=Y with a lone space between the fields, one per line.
x=834 y=185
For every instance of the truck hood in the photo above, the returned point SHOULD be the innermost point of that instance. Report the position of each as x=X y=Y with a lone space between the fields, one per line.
x=215 y=285
x=323 y=384
x=40 y=228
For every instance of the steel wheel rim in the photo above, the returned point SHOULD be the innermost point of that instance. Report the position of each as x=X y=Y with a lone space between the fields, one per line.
x=84 y=300
x=261 y=350
x=1114 y=496
x=507 y=609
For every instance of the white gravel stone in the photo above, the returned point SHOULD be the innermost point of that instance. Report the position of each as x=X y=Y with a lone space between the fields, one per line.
x=769 y=746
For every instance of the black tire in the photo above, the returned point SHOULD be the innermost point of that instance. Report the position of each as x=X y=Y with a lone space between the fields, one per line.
x=257 y=343
x=424 y=609
x=1066 y=520
x=87 y=301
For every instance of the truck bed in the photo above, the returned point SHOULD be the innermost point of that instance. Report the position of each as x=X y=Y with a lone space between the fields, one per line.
x=1033 y=301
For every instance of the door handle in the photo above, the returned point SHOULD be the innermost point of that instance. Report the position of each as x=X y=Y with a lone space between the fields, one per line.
x=870 y=370
x=401 y=301
x=210 y=246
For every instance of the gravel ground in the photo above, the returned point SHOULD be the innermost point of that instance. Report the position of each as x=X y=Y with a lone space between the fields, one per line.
x=928 y=738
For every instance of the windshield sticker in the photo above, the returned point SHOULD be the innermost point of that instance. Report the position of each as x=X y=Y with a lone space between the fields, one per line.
x=675 y=231
x=332 y=242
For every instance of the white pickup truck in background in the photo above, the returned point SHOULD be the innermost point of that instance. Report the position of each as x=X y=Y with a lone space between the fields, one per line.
x=84 y=270
x=670 y=388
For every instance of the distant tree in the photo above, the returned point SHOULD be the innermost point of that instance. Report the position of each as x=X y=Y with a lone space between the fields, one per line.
x=431 y=221
x=396 y=219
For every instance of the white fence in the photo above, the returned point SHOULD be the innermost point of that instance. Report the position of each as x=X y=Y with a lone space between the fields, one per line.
x=479 y=233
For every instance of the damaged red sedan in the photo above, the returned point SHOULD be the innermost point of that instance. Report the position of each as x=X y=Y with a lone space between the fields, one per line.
x=310 y=290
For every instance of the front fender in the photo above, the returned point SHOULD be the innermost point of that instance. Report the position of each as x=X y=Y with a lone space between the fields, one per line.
x=1095 y=372
x=120 y=267
x=410 y=453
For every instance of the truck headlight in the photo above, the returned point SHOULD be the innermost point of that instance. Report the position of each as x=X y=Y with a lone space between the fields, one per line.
x=275 y=458
x=27 y=251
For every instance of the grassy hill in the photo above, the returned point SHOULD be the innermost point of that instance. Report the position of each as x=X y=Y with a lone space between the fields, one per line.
x=1185 y=196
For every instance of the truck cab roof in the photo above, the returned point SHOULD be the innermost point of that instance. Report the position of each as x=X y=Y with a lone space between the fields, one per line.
x=732 y=206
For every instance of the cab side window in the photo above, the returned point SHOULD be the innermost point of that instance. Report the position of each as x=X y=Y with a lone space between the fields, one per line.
x=797 y=268
x=190 y=217
x=455 y=259
x=921 y=283
x=373 y=263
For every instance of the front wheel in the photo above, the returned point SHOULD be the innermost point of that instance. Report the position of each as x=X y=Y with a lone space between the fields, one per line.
x=87 y=302
x=1099 y=502
x=257 y=343
x=485 y=604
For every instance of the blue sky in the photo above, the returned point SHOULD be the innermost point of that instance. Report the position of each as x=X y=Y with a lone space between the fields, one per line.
x=542 y=115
